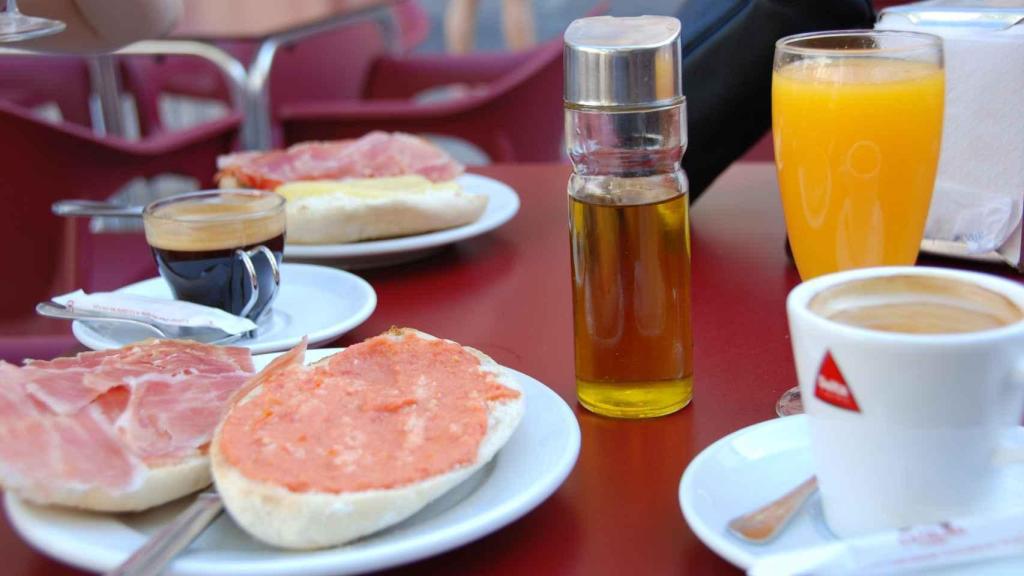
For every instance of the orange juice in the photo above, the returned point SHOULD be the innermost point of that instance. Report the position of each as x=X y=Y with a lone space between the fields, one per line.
x=856 y=147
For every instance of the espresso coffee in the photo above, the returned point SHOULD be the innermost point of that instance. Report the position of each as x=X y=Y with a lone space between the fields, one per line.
x=916 y=305
x=199 y=240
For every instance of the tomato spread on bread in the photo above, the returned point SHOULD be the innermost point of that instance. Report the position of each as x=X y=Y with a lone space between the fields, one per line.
x=381 y=414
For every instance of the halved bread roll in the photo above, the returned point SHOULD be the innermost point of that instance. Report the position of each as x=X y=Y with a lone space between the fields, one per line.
x=253 y=464
x=326 y=212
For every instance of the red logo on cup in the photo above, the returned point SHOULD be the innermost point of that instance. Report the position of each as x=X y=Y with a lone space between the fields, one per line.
x=831 y=387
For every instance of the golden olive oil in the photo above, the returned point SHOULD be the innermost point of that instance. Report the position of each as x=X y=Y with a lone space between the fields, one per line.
x=631 y=306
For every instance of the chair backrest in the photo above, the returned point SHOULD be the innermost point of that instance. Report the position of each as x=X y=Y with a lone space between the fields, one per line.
x=524 y=120
x=38 y=170
x=510 y=104
x=146 y=78
x=45 y=162
x=516 y=116
x=33 y=81
x=329 y=65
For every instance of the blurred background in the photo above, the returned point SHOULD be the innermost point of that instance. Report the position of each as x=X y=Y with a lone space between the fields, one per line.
x=551 y=17
x=481 y=78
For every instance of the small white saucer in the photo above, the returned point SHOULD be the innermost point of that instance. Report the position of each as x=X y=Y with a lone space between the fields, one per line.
x=315 y=301
x=757 y=464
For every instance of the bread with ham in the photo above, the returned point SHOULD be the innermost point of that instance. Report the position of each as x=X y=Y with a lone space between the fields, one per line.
x=316 y=456
x=118 y=430
x=375 y=155
x=382 y=185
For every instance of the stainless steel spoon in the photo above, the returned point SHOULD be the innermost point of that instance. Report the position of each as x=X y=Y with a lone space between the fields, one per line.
x=764 y=524
x=162 y=547
x=204 y=334
x=73 y=208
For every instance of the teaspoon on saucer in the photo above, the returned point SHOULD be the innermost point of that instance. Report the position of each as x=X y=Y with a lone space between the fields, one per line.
x=204 y=334
x=72 y=208
x=764 y=524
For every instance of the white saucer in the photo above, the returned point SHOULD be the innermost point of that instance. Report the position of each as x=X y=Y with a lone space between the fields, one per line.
x=533 y=464
x=502 y=205
x=315 y=301
x=757 y=464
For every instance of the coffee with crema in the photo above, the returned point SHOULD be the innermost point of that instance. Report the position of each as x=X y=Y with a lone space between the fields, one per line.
x=916 y=305
x=213 y=247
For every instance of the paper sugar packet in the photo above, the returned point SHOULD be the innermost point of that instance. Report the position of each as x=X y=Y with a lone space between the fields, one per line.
x=146 y=309
x=955 y=547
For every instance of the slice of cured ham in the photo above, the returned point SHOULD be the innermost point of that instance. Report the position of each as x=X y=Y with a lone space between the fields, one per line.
x=104 y=421
x=377 y=154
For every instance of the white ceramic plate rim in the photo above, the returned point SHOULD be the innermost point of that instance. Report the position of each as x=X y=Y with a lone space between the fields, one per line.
x=502 y=205
x=409 y=548
x=95 y=341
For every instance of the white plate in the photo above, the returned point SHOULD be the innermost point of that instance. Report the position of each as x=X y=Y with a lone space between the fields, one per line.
x=533 y=464
x=502 y=205
x=755 y=465
x=316 y=301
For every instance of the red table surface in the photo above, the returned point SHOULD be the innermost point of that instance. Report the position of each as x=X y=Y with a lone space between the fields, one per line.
x=507 y=293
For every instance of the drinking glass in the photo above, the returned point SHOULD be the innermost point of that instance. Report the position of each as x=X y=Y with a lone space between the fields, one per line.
x=15 y=26
x=857 y=124
x=220 y=248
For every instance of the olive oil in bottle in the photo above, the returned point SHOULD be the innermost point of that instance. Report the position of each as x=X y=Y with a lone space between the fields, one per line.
x=628 y=216
x=631 y=306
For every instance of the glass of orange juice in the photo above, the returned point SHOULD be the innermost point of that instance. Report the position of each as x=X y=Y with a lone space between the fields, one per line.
x=857 y=124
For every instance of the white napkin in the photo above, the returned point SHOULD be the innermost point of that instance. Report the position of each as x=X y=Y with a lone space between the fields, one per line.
x=979 y=189
x=145 y=308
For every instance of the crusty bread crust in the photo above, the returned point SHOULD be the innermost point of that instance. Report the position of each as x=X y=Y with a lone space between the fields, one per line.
x=303 y=520
x=159 y=485
x=342 y=219
x=227 y=181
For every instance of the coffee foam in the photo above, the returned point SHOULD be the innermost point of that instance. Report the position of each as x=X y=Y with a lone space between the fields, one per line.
x=916 y=304
x=215 y=223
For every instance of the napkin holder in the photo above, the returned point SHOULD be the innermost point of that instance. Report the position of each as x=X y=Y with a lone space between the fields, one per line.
x=979 y=190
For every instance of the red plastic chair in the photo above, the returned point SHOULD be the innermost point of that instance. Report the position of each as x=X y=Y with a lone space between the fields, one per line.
x=148 y=77
x=510 y=106
x=46 y=255
x=330 y=65
x=31 y=81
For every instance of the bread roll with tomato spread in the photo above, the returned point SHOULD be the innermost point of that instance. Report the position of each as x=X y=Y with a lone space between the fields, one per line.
x=317 y=456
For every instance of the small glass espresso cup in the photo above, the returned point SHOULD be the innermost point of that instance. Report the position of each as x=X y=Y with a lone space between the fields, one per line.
x=913 y=383
x=220 y=248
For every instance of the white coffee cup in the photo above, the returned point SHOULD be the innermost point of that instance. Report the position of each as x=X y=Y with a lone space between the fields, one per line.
x=907 y=428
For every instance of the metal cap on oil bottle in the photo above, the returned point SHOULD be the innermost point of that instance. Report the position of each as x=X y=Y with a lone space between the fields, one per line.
x=623 y=62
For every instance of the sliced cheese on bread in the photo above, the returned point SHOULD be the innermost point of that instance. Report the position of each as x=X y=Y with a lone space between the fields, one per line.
x=316 y=456
x=334 y=212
